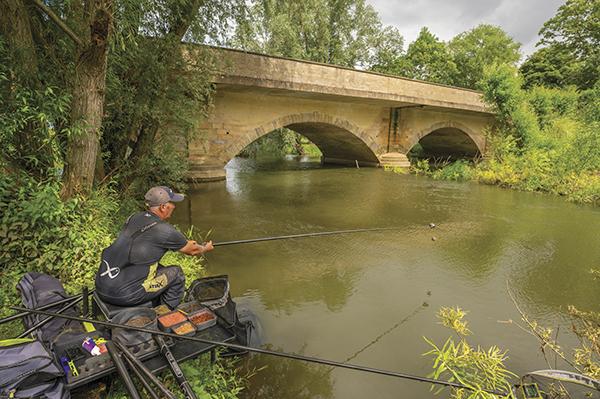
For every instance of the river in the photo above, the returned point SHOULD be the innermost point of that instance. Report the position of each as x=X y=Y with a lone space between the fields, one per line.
x=370 y=298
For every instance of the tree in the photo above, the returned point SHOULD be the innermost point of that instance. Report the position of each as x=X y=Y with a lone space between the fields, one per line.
x=551 y=66
x=89 y=87
x=91 y=20
x=388 y=54
x=575 y=29
x=484 y=45
x=53 y=112
x=427 y=58
x=341 y=32
x=157 y=84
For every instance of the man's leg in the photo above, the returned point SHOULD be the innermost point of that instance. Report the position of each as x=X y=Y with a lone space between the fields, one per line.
x=168 y=284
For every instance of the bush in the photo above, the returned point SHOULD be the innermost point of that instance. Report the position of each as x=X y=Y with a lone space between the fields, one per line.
x=40 y=232
x=478 y=369
x=502 y=90
x=460 y=170
x=549 y=104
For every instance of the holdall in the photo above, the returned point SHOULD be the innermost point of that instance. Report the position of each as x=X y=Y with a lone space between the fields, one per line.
x=29 y=370
x=39 y=289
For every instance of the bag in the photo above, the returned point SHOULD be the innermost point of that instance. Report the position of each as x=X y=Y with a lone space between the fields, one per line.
x=39 y=289
x=28 y=370
x=213 y=292
x=133 y=337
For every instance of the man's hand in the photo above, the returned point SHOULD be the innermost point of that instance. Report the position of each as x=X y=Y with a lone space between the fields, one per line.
x=193 y=248
x=208 y=246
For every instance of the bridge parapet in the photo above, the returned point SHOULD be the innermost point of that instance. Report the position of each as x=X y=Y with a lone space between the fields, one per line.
x=310 y=79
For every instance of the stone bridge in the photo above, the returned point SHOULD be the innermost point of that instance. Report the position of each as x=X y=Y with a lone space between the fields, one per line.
x=352 y=116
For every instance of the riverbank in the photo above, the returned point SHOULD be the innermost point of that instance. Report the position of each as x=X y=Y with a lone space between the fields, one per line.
x=39 y=232
x=530 y=172
x=543 y=140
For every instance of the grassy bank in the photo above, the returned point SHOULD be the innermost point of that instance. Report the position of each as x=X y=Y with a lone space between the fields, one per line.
x=40 y=232
x=545 y=140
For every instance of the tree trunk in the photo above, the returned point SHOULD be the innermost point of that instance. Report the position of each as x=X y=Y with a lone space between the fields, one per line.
x=87 y=106
x=15 y=26
x=184 y=14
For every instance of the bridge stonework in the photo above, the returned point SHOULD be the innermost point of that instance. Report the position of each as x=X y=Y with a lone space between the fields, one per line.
x=352 y=116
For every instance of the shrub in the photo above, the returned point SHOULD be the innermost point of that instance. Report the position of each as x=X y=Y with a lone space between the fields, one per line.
x=460 y=170
x=476 y=368
x=40 y=232
x=502 y=90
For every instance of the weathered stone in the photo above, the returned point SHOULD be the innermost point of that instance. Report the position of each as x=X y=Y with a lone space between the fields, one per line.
x=345 y=112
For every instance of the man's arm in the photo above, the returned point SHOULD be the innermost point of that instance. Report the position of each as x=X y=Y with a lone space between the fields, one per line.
x=193 y=248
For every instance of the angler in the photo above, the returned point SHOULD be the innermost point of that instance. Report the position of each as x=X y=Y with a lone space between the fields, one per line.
x=130 y=273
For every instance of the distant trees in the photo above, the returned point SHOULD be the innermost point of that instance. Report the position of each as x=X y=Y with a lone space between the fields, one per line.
x=428 y=58
x=483 y=45
x=341 y=32
x=572 y=48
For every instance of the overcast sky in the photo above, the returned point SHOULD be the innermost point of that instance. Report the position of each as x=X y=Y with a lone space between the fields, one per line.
x=521 y=19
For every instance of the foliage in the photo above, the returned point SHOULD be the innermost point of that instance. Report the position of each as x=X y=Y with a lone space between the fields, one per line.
x=278 y=143
x=334 y=32
x=476 y=368
x=32 y=120
x=589 y=104
x=214 y=381
x=453 y=319
x=428 y=58
x=502 y=90
x=209 y=381
x=575 y=29
x=551 y=66
x=40 y=232
x=552 y=103
x=166 y=164
x=460 y=170
x=388 y=54
x=482 y=46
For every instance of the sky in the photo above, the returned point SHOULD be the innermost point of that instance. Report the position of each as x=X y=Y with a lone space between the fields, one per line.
x=521 y=19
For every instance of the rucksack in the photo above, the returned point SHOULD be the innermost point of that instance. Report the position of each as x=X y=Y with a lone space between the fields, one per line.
x=39 y=289
x=29 y=370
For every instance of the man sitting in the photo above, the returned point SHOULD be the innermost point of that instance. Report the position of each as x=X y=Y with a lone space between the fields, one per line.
x=129 y=272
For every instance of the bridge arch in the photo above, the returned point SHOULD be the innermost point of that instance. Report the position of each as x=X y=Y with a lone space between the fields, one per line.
x=450 y=138
x=339 y=140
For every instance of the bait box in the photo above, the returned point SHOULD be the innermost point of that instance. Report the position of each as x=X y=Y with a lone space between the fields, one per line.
x=210 y=319
x=161 y=310
x=190 y=307
x=186 y=324
x=170 y=320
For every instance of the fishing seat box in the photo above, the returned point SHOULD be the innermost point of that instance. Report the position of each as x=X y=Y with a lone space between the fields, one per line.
x=109 y=310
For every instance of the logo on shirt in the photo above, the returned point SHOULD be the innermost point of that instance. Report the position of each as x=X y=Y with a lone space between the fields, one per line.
x=111 y=272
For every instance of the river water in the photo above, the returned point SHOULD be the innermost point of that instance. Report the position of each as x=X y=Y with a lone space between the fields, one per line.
x=370 y=298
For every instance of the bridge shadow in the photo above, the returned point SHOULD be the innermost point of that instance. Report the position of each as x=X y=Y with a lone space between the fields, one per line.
x=446 y=144
x=339 y=141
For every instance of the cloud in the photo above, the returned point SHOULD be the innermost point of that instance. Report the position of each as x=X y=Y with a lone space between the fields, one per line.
x=521 y=19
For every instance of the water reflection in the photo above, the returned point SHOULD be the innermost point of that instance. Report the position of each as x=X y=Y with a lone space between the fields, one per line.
x=287 y=378
x=332 y=296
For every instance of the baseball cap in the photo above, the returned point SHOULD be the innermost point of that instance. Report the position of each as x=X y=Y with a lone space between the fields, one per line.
x=161 y=195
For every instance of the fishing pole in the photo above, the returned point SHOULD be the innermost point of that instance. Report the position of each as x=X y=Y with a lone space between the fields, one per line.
x=322 y=233
x=122 y=370
x=263 y=351
x=49 y=319
x=141 y=367
x=184 y=384
x=45 y=307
